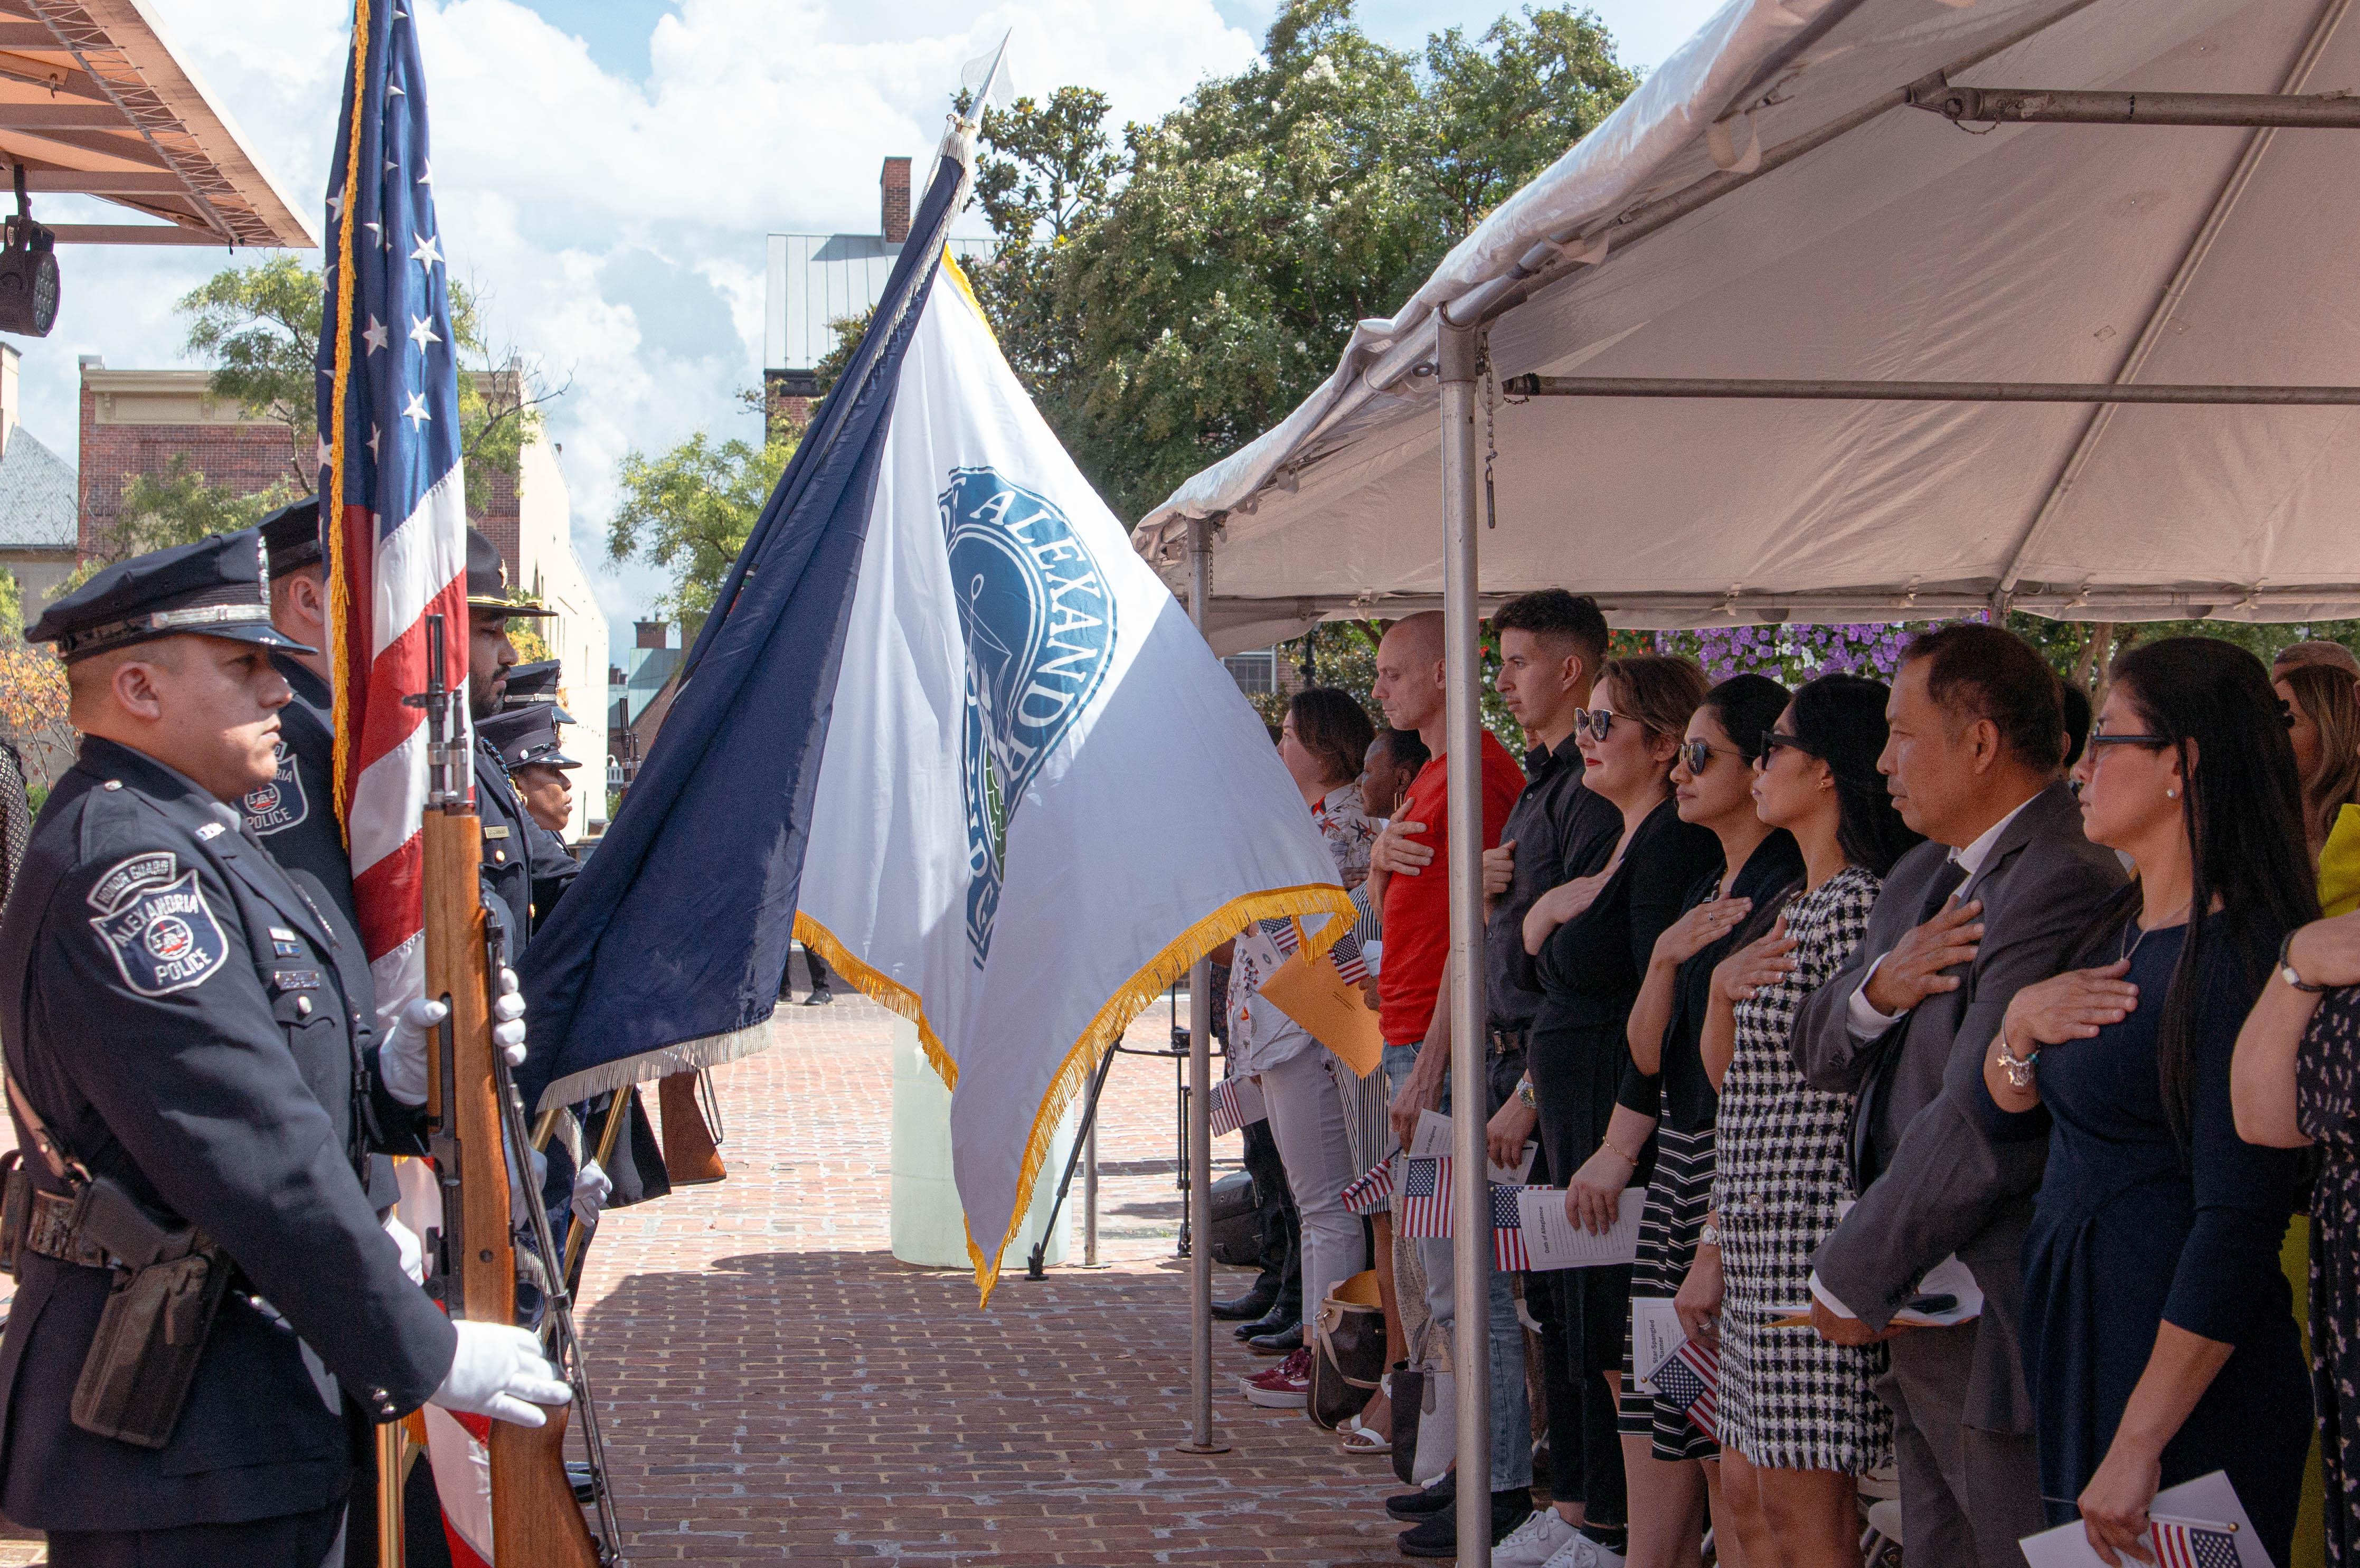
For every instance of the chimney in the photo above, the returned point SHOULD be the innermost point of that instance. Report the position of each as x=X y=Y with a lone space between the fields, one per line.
x=894 y=184
x=652 y=633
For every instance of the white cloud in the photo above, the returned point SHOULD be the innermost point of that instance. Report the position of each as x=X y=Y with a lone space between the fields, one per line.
x=617 y=222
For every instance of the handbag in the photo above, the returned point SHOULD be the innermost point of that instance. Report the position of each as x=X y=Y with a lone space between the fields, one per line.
x=1350 y=1357
x=1238 y=1234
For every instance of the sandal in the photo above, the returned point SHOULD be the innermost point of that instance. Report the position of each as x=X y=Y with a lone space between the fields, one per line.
x=1359 y=1438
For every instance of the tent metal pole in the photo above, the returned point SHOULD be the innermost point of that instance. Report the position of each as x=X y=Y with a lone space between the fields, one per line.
x=1460 y=351
x=2041 y=106
x=1926 y=391
x=1200 y=1102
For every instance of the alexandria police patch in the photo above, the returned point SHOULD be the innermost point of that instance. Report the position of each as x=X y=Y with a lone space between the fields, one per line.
x=280 y=804
x=162 y=933
x=1038 y=620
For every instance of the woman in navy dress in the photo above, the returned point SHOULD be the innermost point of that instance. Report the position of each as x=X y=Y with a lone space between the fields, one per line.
x=2159 y=1342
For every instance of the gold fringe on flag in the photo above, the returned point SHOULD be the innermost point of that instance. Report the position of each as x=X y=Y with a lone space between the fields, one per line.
x=888 y=994
x=331 y=504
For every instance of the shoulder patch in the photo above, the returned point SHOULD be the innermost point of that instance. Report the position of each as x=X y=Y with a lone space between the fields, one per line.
x=127 y=876
x=280 y=804
x=163 y=938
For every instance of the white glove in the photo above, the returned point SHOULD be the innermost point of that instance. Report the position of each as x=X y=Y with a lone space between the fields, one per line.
x=507 y=1019
x=413 y=1254
x=592 y=1188
x=499 y=1372
x=402 y=1065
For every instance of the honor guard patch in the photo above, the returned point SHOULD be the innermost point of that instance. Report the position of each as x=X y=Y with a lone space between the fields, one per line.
x=162 y=933
x=280 y=804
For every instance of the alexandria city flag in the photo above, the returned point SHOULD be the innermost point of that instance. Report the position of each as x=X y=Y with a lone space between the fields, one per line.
x=948 y=729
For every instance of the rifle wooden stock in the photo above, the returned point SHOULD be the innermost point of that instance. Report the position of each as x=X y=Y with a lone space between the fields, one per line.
x=691 y=1155
x=536 y=1523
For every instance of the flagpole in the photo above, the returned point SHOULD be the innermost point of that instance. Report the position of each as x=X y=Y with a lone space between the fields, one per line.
x=1470 y=1248
x=1200 y=1101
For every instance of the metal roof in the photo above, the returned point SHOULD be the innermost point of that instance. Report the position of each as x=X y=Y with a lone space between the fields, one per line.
x=95 y=102
x=38 y=496
x=814 y=279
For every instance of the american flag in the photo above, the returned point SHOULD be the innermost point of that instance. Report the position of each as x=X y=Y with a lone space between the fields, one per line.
x=1692 y=1377
x=1351 y=962
x=1228 y=1113
x=1508 y=1252
x=393 y=514
x=1284 y=935
x=1371 y=1194
x=1422 y=1204
x=2184 y=1544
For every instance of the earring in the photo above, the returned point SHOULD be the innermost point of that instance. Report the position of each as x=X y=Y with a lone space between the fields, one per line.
x=2172 y=793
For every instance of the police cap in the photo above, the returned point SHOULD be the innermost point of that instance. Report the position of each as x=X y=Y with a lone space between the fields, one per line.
x=211 y=588
x=535 y=683
x=487 y=580
x=526 y=735
x=290 y=536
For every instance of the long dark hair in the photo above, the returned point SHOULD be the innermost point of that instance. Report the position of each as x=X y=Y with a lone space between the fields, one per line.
x=1332 y=726
x=1747 y=706
x=1840 y=719
x=2242 y=807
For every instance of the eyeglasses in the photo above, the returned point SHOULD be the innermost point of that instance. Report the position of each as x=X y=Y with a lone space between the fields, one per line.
x=1593 y=722
x=1773 y=739
x=2146 y=740
x=1699 y=754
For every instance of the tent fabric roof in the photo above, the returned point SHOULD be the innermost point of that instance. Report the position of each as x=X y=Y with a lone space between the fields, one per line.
x=39 y=499
x=1841 y=233
x=93 y=102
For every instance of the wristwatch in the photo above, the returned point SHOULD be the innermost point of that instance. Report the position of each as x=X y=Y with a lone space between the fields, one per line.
x=1710 y=1235
x=2288 y=972
x=1525 y=1095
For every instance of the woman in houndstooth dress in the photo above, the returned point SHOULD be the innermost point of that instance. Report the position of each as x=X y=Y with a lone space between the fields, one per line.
x=1799 y=1418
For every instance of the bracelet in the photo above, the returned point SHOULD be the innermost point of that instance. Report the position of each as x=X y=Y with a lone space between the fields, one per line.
x=2018 y=1069
x=1608 y=1144
x=2288 y=972
x=1524 y=1097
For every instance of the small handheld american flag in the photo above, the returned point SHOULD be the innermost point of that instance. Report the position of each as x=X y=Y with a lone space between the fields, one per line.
x=2184 y=1543
x=1370 y=1194
x=1422 y=1204
x=1508 y=1253
x=1229 y=1110
x=1692 y=1377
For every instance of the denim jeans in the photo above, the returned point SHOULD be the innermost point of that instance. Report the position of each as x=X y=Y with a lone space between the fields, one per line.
x=1512 y=1415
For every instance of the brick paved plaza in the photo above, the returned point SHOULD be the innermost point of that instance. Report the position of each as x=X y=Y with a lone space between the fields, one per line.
x=777 y=1387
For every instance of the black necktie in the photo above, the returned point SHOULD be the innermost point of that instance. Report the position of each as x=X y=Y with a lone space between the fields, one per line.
x=1879 y=1081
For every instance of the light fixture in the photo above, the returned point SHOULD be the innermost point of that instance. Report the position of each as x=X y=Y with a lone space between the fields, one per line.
x=28 y=272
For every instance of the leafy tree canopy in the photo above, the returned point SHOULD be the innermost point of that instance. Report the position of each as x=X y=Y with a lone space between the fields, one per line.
x=688 y=513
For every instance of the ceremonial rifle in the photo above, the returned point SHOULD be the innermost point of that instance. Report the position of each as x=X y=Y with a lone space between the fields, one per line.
x=477 y=1123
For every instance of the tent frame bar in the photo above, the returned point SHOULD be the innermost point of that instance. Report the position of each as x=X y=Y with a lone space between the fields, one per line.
x=2043 y=106
x=1719 y=386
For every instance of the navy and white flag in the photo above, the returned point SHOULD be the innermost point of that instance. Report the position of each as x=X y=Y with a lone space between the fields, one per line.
x=950 y=723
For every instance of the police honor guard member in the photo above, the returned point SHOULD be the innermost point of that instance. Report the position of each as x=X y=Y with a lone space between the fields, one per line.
x=525 y=867
x=207 y=1313
x=295 y=813
x=525 y=739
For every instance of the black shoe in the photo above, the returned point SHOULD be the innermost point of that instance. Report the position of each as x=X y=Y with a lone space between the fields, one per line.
x=1284 y=1343
x=1438 y=1535
x=1255 y=1303
x=1273 y=1322
x=819 y=998
x=1425 y=1502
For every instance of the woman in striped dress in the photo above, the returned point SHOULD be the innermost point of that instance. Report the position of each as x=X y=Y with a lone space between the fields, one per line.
x=1799 y=1418
x=1665 y=1447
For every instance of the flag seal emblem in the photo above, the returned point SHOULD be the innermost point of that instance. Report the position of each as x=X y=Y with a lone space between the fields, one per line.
x=164 y=939
x=1037 y=617
x=280 y=804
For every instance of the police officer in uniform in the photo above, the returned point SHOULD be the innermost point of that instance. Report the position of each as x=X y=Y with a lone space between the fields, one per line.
x=195 y=1081
x=295 y=813
x=526 y=869
x=526 y=739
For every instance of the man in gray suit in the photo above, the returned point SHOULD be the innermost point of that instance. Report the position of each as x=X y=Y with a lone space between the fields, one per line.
x=1996 y=901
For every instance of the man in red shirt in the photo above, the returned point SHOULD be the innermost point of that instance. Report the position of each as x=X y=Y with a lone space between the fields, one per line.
x=1413 y=1011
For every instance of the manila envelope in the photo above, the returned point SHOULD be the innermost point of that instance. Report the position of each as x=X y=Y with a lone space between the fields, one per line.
x=1330 y=1008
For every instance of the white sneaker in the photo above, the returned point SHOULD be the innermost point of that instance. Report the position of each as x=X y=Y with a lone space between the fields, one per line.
x=1583 y=1552
x=1535 y=1542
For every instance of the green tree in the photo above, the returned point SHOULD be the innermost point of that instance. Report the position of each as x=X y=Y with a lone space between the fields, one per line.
x=177 y=507
x=1168 y=301
x=689 y=511
x=259 y=328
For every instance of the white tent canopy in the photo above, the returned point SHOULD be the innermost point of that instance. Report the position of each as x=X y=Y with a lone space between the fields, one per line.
x=1770 y=204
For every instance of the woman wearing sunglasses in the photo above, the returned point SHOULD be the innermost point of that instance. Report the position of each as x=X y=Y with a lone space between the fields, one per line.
x=1799 y=1418
x=2159 y=1342
x=1666 y=1457
x=1589 y=942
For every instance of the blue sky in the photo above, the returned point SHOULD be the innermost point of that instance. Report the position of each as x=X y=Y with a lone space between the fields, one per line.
x=605 y=171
